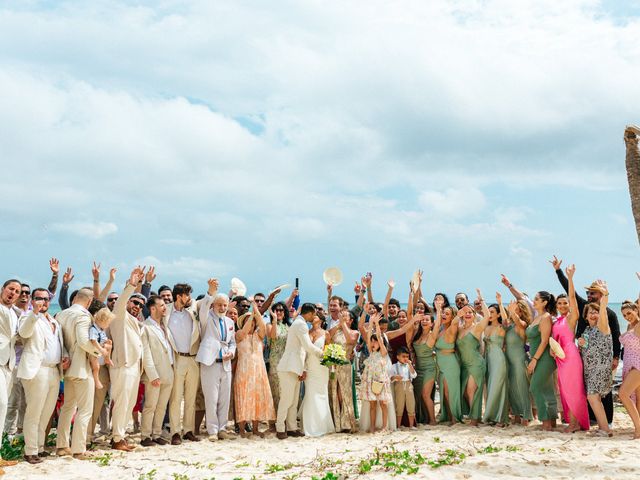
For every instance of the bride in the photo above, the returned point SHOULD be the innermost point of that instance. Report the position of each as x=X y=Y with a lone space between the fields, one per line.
x=316 y=413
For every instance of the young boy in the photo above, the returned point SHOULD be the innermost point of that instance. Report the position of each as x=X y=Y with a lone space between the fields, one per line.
x=98 y=337
x=402 y=373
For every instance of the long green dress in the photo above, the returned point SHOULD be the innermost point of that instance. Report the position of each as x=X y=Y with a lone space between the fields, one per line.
x=449 y=370
x=541 y=386
x=427 y=370
x=518 y=384
x=496 y=409
x=473 y=365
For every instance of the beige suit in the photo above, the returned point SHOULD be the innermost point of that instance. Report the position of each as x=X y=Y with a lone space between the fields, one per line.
x=127 y=353
x=186 y=375
x=41 y=380
x=8 y=330
x=158 y=364
x=78 y=380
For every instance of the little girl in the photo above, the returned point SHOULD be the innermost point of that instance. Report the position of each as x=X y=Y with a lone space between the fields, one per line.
x=376 y=385
x=98 y=337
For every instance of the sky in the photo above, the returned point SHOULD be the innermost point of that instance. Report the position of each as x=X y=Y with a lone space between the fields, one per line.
x=271 y=140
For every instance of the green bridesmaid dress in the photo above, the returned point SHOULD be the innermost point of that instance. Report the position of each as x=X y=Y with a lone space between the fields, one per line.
x=449 y=370
x=473 y=365
x=518 y=383
x=541 y=386
x=427 y=370
x=496 y=409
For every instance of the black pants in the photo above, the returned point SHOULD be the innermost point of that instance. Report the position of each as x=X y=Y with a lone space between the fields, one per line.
x=607 y=403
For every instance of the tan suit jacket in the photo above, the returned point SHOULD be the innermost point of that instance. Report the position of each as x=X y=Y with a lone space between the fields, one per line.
x=157 y=360
x=298 y=346
x=75 y=322
x=31 y=330
x=8 y=330
x=195 y=327
x=126 y=333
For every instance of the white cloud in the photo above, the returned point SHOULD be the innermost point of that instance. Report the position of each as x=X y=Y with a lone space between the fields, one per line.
x=453 y=202
x=186 y=268
x=93 y=230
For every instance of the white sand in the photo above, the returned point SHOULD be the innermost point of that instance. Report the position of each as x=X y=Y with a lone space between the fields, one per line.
x=537 y=454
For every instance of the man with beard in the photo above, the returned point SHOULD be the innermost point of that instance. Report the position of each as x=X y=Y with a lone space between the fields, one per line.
x=8 y=330
x=40 y=371
x=180 y=319
x=75 y=322
x=126 y=357
x=165 y=293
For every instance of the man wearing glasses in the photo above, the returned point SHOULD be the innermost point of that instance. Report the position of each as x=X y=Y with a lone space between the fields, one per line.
x=43 y=360
x=126 y=355
x=111 y=300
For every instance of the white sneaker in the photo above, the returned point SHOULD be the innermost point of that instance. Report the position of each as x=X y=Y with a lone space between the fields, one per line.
x=213 y=438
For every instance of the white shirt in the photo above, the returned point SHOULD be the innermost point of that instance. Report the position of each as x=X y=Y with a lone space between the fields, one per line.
x=332 y=323
x=53 y=354
x=402 y=369
x=164 y=339
x=180 y=326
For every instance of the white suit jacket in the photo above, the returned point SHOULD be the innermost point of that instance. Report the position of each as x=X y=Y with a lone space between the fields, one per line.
x=32 y=331
x=75 y=322
x=298 y=345
x=211 y=337
x=157 y=360
x=8 y=333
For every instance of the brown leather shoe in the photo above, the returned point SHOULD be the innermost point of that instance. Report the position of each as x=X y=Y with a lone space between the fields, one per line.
x=43 y=454
x=62 y=452
x=282 y=435
x=191 y=437
x=175 y=439
x=33 y=459
x=160 y=441
x=295 y=433
x=122 y=446
x=147 y=442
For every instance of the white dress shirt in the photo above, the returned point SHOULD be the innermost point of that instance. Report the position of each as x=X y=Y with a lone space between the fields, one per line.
x=53 y=353
x=402 y=370
x=181 y=325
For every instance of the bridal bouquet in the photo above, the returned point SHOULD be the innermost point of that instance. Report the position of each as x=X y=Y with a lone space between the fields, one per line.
x=334 y=354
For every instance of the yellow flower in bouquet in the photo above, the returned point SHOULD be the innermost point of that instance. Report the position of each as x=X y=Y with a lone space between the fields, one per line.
x=333 y=355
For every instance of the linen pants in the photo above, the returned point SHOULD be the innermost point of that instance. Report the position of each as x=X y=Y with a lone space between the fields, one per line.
x=78 y=393
x=98 y=401
x=186 y=378
x=16 y=405
x=124 y=392
x=5 y=391
x=42 y=392
x=156 y=400
x=288 y=406
x=403 y=395
x=216 y=387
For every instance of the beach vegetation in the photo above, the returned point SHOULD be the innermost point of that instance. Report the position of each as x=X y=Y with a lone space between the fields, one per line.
x=103 y=460
x=150 y=475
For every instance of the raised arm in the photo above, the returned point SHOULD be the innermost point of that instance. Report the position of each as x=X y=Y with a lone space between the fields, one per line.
x=205 y=303
x=149 y=277
x=517 y=294
x=257 y=315
x=107 y=288
x=95 y=272
x=503 y=312
x=246 y=328
x=383 y=349
x=292 y=297
x=54 y=265
x=574 y=310
x=385 y=308
x=410 y=302
x=433 y=336
x=27 y=323
x=482 y=324
x=603 y=321
x=63 y=296
x=361 y=324
x=269 y=301
x=120 y=307
x=418 y=292
x=402 y=330
x=367 y=282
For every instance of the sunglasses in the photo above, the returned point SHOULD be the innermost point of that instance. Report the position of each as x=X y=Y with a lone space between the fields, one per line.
x=25 y=292
x=278 y=309
x=137 y=304
x=112 y=299
x=41 y=299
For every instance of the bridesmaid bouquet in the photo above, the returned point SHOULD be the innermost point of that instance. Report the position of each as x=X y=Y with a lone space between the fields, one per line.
x=333 y=355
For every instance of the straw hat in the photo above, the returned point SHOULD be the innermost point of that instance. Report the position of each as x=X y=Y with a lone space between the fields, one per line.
x=332 y=276
x=243 y=318
x=594 y=287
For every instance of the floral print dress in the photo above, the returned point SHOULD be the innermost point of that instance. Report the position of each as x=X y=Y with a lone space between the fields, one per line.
x=597 y=358
x=276 y=349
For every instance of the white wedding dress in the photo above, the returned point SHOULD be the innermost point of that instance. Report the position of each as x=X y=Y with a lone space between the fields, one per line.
x=316 y=413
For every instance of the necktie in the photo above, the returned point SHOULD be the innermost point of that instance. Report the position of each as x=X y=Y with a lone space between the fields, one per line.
x=223 y=334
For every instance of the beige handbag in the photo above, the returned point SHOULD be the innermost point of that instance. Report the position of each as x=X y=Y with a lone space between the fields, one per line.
x=376 y=387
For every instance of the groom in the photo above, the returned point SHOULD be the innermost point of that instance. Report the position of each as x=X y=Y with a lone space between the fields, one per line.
x=291 y=371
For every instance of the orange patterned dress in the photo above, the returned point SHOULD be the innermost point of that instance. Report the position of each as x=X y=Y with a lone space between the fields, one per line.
x=251 y=389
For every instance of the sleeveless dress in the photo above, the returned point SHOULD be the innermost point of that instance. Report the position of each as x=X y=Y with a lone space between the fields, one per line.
x=541 y=386
x=570 y=376
x=315 y=411
x=497 y=408
x=276 y=349
x=342 y=407
x=473 y=365
x=597 y=358
x=427 y=370
x=518 y=382
x=252 y=394
x=631 y=343
x=449 y=371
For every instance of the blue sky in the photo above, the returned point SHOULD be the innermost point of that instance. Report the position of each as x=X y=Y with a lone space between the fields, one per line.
x=270 y=140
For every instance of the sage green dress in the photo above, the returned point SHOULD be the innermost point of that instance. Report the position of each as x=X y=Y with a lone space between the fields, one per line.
x=427 y=370
x=518 y=382
x=449 y=370
x=496 y=409
x=472 y=365
x=541 y=386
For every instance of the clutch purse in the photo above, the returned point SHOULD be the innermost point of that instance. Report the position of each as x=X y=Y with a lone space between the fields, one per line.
x=376 y=387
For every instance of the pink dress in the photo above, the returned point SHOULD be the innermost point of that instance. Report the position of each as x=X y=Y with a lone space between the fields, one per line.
x=570 y=378
x=631 y=343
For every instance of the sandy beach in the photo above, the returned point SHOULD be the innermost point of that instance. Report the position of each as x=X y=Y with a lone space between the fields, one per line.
x=483 y=452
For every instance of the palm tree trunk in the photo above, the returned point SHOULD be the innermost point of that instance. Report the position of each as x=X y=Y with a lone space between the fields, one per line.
x=633 y=174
